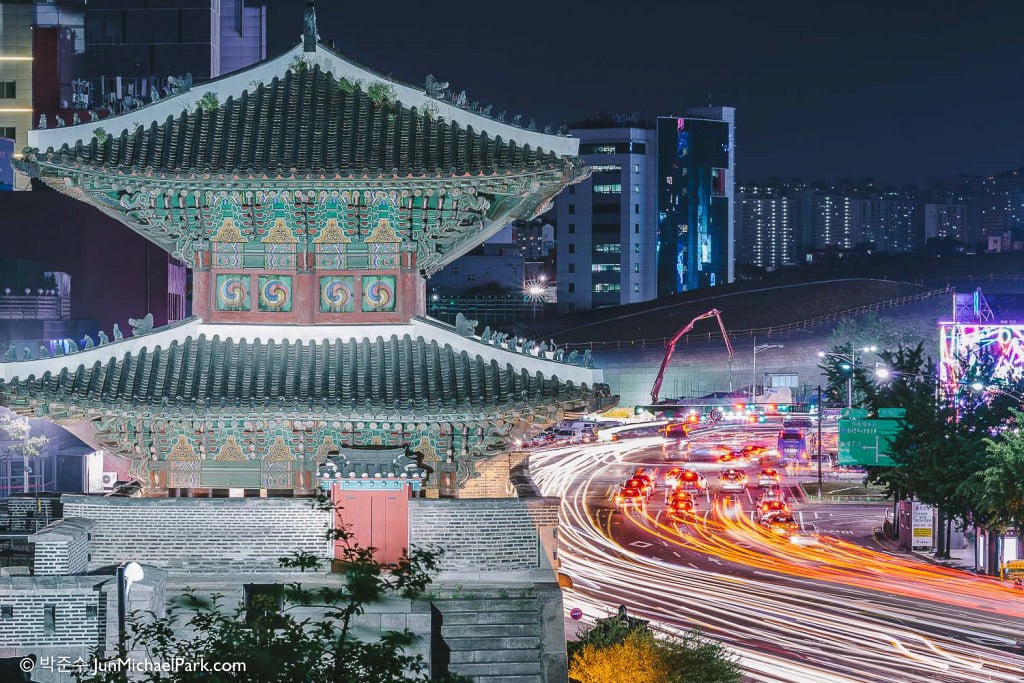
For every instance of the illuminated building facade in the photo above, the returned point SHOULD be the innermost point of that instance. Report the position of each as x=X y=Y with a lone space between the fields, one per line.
x=695 y=200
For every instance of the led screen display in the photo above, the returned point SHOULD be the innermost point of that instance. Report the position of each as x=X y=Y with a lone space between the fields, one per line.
x=963 y=345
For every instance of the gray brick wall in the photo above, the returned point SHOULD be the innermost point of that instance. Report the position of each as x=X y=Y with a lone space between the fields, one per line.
x=62 y=548
x=483 y=533
x=201 y=534
x=78 y=606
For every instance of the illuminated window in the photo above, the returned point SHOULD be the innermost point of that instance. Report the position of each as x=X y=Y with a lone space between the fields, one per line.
x=636 y=267
x=607 y=248
x=636 y=168
x=613 y=188
x=606 y=168
x=636 y=287
x=602 y=287
x=605 y=268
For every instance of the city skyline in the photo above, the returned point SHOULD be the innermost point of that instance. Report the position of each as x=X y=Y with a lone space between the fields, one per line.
x=892 y=92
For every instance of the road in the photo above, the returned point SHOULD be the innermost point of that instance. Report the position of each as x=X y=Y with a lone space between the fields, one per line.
x=837 y=611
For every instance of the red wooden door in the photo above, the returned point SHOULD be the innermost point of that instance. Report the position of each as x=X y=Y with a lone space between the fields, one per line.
x=377 y=519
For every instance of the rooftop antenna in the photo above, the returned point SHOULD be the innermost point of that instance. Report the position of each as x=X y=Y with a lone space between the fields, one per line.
x=709 y=97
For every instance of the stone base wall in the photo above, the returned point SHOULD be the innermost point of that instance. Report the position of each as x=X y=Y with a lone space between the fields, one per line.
x=503 y=534
x=241 y=535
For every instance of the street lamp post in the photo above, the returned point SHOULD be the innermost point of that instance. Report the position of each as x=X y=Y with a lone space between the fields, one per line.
x=819 y=441
x=850 y=358
x=753 y=368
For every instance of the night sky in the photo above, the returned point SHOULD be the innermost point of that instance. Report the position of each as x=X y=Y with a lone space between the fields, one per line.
x=825 y=89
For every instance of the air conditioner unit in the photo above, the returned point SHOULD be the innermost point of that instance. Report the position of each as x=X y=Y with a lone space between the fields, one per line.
x=109 y=479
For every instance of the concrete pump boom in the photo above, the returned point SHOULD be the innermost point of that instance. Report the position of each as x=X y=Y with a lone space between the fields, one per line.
x=713 y=313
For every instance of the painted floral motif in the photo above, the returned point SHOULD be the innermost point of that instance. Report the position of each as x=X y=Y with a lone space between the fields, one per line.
x=275 y=293
x=337 y=293
x=378 y=293
x=232 y=293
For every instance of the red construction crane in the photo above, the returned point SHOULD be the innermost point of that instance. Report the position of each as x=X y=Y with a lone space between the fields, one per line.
x=713 y=313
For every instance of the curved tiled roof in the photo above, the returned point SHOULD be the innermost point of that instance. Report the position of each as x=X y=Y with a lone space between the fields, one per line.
x=341 y=130
x=203 y=372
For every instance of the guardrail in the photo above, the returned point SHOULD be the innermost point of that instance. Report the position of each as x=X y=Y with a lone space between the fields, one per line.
x=768 y=331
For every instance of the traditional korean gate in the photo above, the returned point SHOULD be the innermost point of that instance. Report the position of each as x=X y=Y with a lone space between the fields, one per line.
x=377 y=517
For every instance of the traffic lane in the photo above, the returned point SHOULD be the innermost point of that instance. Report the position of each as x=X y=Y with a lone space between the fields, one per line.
x=868 y=601
x=609 y=574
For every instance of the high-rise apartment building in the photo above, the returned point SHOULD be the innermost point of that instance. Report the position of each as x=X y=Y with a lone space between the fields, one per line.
x=945 y=221
x=769 y=227
x=656 y=216
x=535 y=239
x=606 y=239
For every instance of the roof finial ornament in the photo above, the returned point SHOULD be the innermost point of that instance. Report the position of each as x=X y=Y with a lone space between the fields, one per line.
x=309 y=34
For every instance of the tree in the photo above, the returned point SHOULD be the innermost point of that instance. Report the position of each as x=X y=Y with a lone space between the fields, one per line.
x=615 y=644
x=16 y=441
x=638 y=653
x=999 y=487
x=305 y=636
x=943 y=444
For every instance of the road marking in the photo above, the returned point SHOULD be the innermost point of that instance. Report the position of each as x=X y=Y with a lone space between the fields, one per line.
x=640 y=544
x=714 y=559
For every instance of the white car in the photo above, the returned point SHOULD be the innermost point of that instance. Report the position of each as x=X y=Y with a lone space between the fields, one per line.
x=732 y=480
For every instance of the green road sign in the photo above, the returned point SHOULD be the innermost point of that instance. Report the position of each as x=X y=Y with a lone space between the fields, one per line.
x=866 y=442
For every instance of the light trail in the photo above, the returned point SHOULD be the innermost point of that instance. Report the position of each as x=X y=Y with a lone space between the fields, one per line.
x=836 y=613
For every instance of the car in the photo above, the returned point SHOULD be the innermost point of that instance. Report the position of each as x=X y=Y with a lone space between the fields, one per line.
x=772 y=507
x=680 y=510
x=675 y=430
x=768 y=477
x=680 y=494
x=754 y=452
x=640 y=483
x=691 y=480
x=771 y=493
x=781 y=524
x=631 y=496
x=732 y=480
x=641 y=473
x=671 y=477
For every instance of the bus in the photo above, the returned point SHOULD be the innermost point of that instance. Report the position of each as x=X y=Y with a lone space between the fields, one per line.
x=793 y=445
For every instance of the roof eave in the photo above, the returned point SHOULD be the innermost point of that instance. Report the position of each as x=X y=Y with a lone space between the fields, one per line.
x=234 y=84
